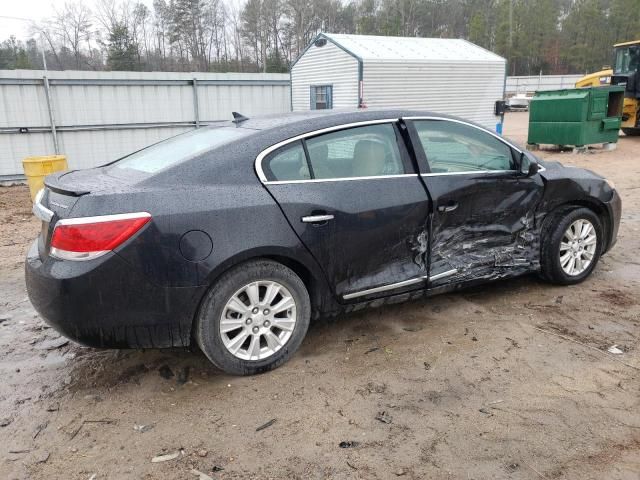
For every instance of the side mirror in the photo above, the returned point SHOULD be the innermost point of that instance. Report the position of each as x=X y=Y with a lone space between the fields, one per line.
x=528 y=165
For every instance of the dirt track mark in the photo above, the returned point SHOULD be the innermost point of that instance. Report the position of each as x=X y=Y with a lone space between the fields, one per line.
x=618 y=298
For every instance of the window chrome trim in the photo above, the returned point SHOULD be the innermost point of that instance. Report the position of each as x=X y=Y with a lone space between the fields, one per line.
x=462 y=122
x=268 y=150
x=467 y=172
x=345 y=126
x=338 y=179
x=471 y=172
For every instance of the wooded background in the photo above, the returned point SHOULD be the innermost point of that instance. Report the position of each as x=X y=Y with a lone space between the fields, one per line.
x=548 y=36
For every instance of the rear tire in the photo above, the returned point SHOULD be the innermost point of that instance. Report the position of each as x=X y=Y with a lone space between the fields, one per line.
x=254 y=318
x=631 y=132
x=571 y=246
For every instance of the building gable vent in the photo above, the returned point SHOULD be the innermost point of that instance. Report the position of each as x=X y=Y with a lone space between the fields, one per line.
x=321 y=42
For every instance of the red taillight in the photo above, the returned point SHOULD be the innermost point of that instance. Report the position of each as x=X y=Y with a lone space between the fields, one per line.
x=90 y=237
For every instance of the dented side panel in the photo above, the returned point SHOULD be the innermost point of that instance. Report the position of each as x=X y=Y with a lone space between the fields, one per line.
x=379 y=233
x=492 y=232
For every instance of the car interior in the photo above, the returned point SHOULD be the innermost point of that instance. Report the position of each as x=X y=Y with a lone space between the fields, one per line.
x=372 y=151
x=452 y=151
x=340 y=155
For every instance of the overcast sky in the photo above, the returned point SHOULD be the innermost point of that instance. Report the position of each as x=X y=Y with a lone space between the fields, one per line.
x=31 y=9
x=38 y=10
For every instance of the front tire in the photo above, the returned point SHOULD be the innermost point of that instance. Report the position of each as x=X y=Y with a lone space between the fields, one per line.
x=254 y=318
x=571 y=246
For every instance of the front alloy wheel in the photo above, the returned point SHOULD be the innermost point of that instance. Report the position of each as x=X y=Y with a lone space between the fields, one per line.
x=578 y=247
x=571 y=245
x=253 y=318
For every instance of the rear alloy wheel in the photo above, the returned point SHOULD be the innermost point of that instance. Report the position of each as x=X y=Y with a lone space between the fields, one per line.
x=258 y=320
x=253 y=318
x=571 y=246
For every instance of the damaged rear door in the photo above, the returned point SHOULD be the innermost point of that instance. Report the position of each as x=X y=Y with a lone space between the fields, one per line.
x=353 y=196
x=483 y=207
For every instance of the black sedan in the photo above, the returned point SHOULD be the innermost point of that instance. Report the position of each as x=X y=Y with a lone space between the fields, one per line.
x=235 y=236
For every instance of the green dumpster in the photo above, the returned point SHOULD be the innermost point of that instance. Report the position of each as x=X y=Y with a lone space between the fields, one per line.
x=576 y=117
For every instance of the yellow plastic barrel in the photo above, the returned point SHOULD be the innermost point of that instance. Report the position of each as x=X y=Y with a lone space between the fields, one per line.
x=36 y=168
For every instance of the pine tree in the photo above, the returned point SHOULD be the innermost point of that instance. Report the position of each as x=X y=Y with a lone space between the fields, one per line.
x=122 y=50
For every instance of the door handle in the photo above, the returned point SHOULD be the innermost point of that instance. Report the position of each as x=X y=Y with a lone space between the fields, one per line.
x=317 y=218
x=449 y=207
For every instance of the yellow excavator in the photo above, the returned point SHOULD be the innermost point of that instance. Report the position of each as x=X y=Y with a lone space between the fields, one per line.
x=625 y=71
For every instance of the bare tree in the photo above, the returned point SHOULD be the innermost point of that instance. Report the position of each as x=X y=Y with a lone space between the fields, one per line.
x=139 y=24
x=108 y=14
x=302 y=15
x=215 y=21
x=267 y=35
x=72 y=24
x=47 y=31
x=235 y=32
x=161 y=20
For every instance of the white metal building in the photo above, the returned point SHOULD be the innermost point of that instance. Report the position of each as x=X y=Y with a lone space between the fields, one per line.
x=449 y=76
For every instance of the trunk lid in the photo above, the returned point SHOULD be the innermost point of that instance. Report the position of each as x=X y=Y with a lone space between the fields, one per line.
x=49 y=207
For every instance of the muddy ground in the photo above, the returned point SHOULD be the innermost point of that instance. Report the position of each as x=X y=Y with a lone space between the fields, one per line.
x=507 y=381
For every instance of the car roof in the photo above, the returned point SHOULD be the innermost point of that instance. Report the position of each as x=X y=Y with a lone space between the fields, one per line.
x=301 y=122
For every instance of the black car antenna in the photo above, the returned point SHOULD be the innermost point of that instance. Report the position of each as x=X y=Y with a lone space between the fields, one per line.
x=238 y=118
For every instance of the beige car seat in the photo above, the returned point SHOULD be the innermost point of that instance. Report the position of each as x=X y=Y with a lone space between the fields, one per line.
x=368 y=158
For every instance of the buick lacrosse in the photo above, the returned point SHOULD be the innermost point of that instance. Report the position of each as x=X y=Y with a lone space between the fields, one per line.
x=233 y=237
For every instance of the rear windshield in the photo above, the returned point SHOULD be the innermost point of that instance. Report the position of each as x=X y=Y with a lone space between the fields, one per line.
x=177 y=149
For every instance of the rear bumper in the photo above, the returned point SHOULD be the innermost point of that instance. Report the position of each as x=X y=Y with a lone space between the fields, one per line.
x=614 y=208
x=107 y=303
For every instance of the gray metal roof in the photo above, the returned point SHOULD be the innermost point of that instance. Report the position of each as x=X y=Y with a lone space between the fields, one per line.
x=373 y=47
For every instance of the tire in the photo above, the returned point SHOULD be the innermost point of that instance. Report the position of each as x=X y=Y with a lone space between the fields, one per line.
x=552 y=258
x=631 y=132
x=252 y=334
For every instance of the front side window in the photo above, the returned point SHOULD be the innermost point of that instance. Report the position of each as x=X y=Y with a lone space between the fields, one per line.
x=453 y=147
x=366 y=151
x=321 y=97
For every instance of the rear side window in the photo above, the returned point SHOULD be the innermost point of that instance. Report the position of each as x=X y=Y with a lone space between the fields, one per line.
x=453 y=147
x=366 y=151
x=287 y=163
x=178 y=149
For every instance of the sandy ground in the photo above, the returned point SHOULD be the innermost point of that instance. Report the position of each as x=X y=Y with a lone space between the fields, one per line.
x=508 y=381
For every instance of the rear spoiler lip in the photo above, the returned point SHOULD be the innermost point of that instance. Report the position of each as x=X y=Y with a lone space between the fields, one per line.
x=52 y=182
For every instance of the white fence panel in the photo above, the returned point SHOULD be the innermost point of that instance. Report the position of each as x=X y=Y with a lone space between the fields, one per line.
x=100 y=116
x=540 y=82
